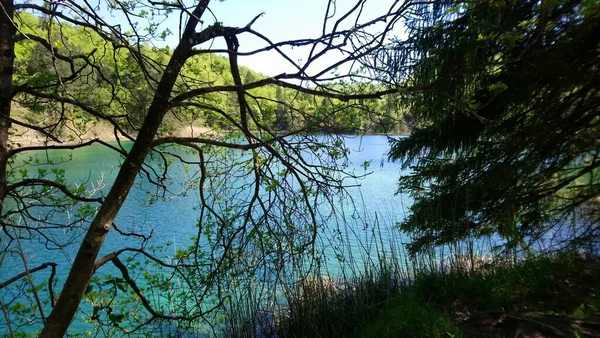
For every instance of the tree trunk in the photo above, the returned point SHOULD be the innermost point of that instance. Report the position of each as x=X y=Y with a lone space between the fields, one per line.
x=83 y=267
x=7 y=58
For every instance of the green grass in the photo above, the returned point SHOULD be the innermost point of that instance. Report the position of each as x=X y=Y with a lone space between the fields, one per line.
x=562 y=284
x=318 y=310
x=379 y=304
x=409 y=316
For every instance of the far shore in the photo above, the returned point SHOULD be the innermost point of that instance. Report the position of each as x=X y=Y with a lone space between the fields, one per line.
x=30 y=138
x=21 y=137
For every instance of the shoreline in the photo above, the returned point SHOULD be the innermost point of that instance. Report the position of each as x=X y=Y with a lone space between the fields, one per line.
x=23 y=137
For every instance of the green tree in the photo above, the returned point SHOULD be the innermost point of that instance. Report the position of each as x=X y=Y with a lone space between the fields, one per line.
x=506 y=134
x=257 y=192
x=282 y=117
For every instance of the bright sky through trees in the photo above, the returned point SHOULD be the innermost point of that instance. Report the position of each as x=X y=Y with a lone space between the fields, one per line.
x=282 y=20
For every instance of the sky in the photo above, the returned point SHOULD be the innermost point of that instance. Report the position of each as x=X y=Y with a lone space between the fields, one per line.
x=281 y=20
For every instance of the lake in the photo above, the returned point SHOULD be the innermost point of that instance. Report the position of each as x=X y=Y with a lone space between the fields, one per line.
x=364 y=218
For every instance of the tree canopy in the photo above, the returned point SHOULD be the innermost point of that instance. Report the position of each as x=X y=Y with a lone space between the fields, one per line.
x=506 y=136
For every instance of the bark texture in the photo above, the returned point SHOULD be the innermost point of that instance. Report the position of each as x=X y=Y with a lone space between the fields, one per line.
x=83 y=266
x=7 y=58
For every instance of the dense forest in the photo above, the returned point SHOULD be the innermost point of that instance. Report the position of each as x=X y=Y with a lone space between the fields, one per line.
x=277 y=108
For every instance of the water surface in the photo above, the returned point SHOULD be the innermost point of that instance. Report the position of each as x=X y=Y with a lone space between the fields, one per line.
x=369 y=215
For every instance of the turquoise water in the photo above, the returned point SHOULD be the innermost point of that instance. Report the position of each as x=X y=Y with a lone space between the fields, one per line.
x=367 y=217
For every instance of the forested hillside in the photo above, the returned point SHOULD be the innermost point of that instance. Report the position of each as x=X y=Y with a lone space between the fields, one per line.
x=278 y=109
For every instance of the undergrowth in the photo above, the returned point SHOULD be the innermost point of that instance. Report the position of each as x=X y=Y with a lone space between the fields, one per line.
x=564 y=284
x=386 y=301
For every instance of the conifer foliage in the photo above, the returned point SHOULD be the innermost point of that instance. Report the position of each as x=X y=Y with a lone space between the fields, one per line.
x=507 y=138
